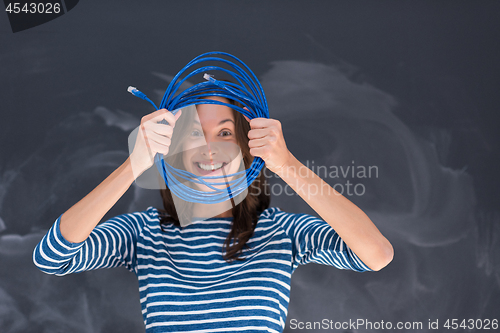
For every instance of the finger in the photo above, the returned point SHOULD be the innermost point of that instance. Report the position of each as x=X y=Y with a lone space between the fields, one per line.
x=261 y=123
x=160 y=115
x=258 y=133
x=153 y=131
x=154 y=114
x=159 y=148
x=167 y=116
x=248 y=119
x=162 y=139
x=160 y=129
x=255 y=143
x=177 y=115
x=259 y=151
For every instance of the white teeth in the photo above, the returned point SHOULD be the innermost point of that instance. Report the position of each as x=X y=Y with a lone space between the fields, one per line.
x=210 y=167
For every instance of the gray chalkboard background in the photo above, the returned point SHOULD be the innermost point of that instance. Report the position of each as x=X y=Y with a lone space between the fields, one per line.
x=411 y=87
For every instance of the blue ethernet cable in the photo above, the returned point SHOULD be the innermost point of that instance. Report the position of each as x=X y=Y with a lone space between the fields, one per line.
x=246 y=90
x=134 y=91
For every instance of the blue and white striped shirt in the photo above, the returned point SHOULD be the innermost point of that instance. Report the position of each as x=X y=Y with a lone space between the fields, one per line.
x=185 y=285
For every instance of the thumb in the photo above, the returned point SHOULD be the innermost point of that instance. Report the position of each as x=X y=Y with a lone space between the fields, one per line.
x=248 y=119
x=178 y=114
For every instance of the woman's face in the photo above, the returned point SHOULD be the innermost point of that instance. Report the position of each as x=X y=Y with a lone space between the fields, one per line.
x=211 y=148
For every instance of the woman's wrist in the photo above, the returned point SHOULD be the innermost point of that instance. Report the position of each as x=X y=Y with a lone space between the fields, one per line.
x=138 y=165
x=289 y=168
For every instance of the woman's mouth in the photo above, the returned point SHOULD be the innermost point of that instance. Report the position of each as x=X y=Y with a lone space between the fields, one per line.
x=208 y=168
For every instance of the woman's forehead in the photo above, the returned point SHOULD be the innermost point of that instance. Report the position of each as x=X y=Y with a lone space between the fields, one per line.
x=213 y=114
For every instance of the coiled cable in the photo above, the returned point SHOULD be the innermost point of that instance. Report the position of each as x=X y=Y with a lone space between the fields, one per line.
x=246 y=90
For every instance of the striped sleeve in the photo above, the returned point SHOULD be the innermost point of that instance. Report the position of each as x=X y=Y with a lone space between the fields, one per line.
x=314 y=240
x=111 y=244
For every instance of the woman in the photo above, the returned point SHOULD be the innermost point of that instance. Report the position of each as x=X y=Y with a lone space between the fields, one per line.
x=230 y=272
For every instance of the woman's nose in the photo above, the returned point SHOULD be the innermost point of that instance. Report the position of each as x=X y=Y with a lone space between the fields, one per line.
x=210 y=148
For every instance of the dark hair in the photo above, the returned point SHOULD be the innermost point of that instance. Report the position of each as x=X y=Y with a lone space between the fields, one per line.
x=246 y=213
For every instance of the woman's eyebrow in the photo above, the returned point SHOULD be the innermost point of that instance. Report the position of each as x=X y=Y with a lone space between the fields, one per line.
x=220 y=123
x=225 y=121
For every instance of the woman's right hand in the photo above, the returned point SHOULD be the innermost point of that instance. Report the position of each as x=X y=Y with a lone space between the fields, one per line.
x=152 y=138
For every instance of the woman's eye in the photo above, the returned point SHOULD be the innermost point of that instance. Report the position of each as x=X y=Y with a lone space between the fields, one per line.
x=196 y=133
x=225 y=133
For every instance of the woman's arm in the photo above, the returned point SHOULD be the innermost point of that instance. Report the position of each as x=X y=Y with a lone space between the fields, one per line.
x=350 y=222
x=77 y=223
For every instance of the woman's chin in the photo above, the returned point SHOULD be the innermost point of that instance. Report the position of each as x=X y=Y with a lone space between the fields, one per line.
x=204 y=188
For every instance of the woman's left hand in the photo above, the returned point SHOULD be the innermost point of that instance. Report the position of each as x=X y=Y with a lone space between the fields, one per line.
x=268 y=143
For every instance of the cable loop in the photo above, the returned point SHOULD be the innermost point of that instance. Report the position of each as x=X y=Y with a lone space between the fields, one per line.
x=246 y=90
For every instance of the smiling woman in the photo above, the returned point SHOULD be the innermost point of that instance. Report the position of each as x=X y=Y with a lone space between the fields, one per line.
x=228 y=269
x=212 y=142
